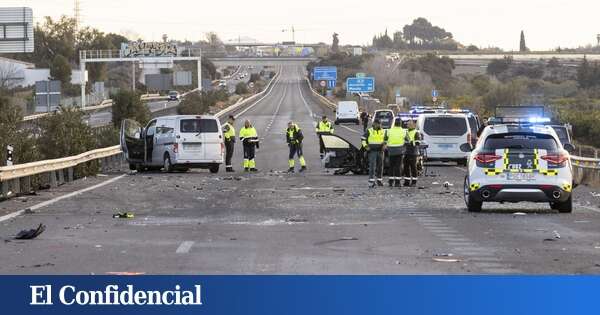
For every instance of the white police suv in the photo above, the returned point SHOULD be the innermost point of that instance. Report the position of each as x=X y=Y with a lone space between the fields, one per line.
x=519 y=162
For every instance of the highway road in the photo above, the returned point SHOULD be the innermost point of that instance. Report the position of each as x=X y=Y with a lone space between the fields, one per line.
x=277 y=223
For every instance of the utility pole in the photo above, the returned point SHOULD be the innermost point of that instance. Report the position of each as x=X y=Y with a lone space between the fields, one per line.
x=77 y=14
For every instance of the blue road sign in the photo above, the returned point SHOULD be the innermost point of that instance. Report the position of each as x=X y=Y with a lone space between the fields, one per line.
x=331 y=84
x=324 y=73
x=434 y=93
x=360 y=85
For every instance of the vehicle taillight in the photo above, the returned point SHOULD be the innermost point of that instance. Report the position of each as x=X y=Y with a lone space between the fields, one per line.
x=558 y=159
x=175 y=147
x=487 y=157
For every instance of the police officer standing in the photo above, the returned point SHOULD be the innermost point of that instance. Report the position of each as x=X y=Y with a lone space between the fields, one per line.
x=412 y=152
x=323 y=127
x=395 y=139
x=229 y=135
x=249 y=138
x=294 y=139
x=373 y=141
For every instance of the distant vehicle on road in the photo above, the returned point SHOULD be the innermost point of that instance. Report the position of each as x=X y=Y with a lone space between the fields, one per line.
x=347 y=111
x=516 y=162
x=445 y=133
x=173 y=143
x=174 y=96
x=385 y=117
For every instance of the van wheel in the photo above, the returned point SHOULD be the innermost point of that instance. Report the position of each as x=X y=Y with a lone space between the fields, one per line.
x=336 y=122
x=472 y=204
x=132 y=167
x=563 y=207
x=167 y=166
x=214 y=168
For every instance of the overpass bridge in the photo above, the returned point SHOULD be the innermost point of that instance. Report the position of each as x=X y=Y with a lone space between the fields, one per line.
x=261 y=61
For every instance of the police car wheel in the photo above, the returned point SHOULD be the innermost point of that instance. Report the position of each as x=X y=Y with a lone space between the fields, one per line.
x=564 y=207
x=472 y=204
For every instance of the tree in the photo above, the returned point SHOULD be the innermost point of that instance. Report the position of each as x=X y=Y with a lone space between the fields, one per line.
x=498 y=66
x=425 y=31
x=8 y=73
x=127 y=105
x=335 y=45
x=10 y=134
x=439 y=69
x=61 y=70
x=522 y=45
x=241 y=88
x=194 y=104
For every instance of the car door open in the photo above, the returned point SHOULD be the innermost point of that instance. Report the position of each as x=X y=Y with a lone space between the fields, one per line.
x=341 y=154
x=132 y=141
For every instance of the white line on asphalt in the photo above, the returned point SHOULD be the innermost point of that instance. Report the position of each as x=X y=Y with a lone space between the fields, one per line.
x=262 y=98
x=346 y=127
x=57 y=199
x=185 y=247
x=304 y=100
x=589 y=208
x=460 y=168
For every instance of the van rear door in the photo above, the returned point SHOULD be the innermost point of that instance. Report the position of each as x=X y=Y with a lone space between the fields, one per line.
x=201 y=140
x=445 y=133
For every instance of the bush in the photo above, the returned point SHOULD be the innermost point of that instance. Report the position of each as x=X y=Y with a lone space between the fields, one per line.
x=127 y=105
x=194 y=104
x=241 y=88
x=23 y=142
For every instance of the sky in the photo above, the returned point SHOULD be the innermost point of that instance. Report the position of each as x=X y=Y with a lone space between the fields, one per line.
x=547 y=24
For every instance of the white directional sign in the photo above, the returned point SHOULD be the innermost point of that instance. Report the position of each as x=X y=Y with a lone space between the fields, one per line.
x=16 y=30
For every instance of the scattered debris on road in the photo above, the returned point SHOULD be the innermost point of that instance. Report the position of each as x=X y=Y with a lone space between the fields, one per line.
x=296 y=219
x=31 y=234
x=556 y=235
x=28 y=211
x=444 y=255
x=516 y=214
x=123 y=215
x=341 y=239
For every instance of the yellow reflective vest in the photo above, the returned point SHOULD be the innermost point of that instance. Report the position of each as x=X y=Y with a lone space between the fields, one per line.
x=374 y=138
x=395 y=137
x=229 y=132
x=324 y=127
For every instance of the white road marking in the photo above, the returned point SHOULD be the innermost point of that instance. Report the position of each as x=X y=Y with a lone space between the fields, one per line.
x=185 y=247
x=304 y=100
x=460 y=168
x=588 y=208
x=355 y=131
x=57 y=199
x=262 y=98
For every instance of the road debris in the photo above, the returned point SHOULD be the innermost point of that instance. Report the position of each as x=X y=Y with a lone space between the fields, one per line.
x=123 y=215
x=101 y=175
x=339 y=190
x=296 y=219
x=28 y=211
x=31 y=234
x=556 y=235
x=444 y=255
x=341 y=239
x=516 y=214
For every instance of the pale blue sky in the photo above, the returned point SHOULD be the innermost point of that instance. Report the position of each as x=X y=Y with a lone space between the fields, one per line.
x=547 y=24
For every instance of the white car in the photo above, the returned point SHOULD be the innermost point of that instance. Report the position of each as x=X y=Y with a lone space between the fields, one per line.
x=514 y=163
x=445 y=133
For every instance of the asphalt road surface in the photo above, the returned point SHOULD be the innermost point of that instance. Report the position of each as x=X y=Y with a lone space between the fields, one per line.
x=276 y=223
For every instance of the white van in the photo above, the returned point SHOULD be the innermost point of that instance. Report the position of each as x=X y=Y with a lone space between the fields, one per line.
x=444 y=133
x=347 y=111
x=174 y=142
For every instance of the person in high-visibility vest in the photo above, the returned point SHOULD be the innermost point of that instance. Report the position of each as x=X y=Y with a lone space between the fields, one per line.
x=395 y=139
x=410 y=158
x=294 y=139
x=249 y=138
x=229 y=135
x=373 y=141
x=323 y=127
